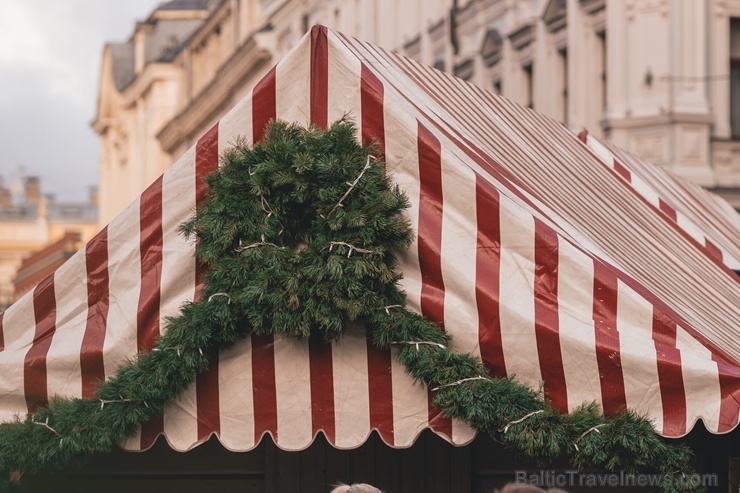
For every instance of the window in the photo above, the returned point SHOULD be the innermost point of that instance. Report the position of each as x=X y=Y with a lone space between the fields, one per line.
x=527 y=86
x=735 y=77
x=465 y=69
x=563 y=58
x=601 y=67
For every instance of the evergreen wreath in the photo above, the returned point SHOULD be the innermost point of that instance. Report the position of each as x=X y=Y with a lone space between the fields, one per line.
x=298 y=235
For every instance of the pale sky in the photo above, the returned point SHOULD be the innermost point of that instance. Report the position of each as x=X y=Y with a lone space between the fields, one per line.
x=50 y=53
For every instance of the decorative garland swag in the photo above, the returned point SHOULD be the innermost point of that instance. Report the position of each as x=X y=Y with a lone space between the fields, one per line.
x=298 y=235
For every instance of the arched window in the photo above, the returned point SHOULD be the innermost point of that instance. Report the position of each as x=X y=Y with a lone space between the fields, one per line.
x=735 y=77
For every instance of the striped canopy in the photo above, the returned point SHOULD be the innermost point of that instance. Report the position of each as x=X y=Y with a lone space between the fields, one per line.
x=571 y=265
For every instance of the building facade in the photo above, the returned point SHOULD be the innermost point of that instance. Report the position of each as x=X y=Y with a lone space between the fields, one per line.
x=29 y=223
x=660 y=78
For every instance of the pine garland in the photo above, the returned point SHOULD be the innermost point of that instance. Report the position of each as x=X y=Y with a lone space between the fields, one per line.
x=298 y=235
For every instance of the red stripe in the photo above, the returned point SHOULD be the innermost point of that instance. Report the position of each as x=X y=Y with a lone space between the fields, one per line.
x=713 y=250
x=319 y=77
x=667 y=209
x=206 y=383
x=150 y=246
x=430 y=246
x=670 y=376
x=321 y=371
x=380 y=378
x=487 y=282
x=147 y=315
x=34 y=365
x=2 y=337
x=430 y=225
x=263 y=386
x=619 y=168
x=92 y=369
x=547 y=327
x=608 y=354
x=729 y=385
x=264 y=107
x=371 y=106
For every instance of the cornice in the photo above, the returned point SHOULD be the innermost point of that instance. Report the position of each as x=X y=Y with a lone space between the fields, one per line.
x=242 y=63
x=153 y=72
x=655 y=120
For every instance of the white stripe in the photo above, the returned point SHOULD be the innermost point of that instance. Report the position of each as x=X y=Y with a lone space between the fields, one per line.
x=292 y=86
x=575 y=320
x=410 y=410
x=729 y=259
x=701 y=381
x=236 y=124
x=344 y=83
x=63 y=359
x=600 y=150
x=178 y=262
x=686 y=343
x=458 y=255
x=402 y=165
x=180 y=420
x=132 y=443
x=178 y=283
x=459 y=252
x=462 y=433
x=293 y=389
x=516 y=276
x=687 y=225
x=637 y=354
x=351 y=388
x=124 y=273
x=19 y=327
x=236 y=399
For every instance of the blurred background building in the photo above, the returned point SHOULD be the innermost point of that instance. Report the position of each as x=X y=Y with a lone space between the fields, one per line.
x=37 y=234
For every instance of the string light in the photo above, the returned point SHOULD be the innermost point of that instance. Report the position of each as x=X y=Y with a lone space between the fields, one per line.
x=510 y=424
x=254 y=245
x=417 y=343
x=45 y=424
x=387 y=308
x=103 y=402
x=593 y=428
x=351 y=187
x=220 y=294
x=351 y=247
x=458 y=382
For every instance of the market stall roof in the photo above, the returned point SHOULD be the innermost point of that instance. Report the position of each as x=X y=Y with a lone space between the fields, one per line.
x=704 y=216
x=530 y=250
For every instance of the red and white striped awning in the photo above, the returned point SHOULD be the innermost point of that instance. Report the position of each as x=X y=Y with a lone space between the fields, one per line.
x=530 y=250
x=705 y=217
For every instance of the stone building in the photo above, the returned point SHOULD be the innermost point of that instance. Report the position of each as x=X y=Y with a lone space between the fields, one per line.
x=660 y=78
x=32 y=221
x=42 y=263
